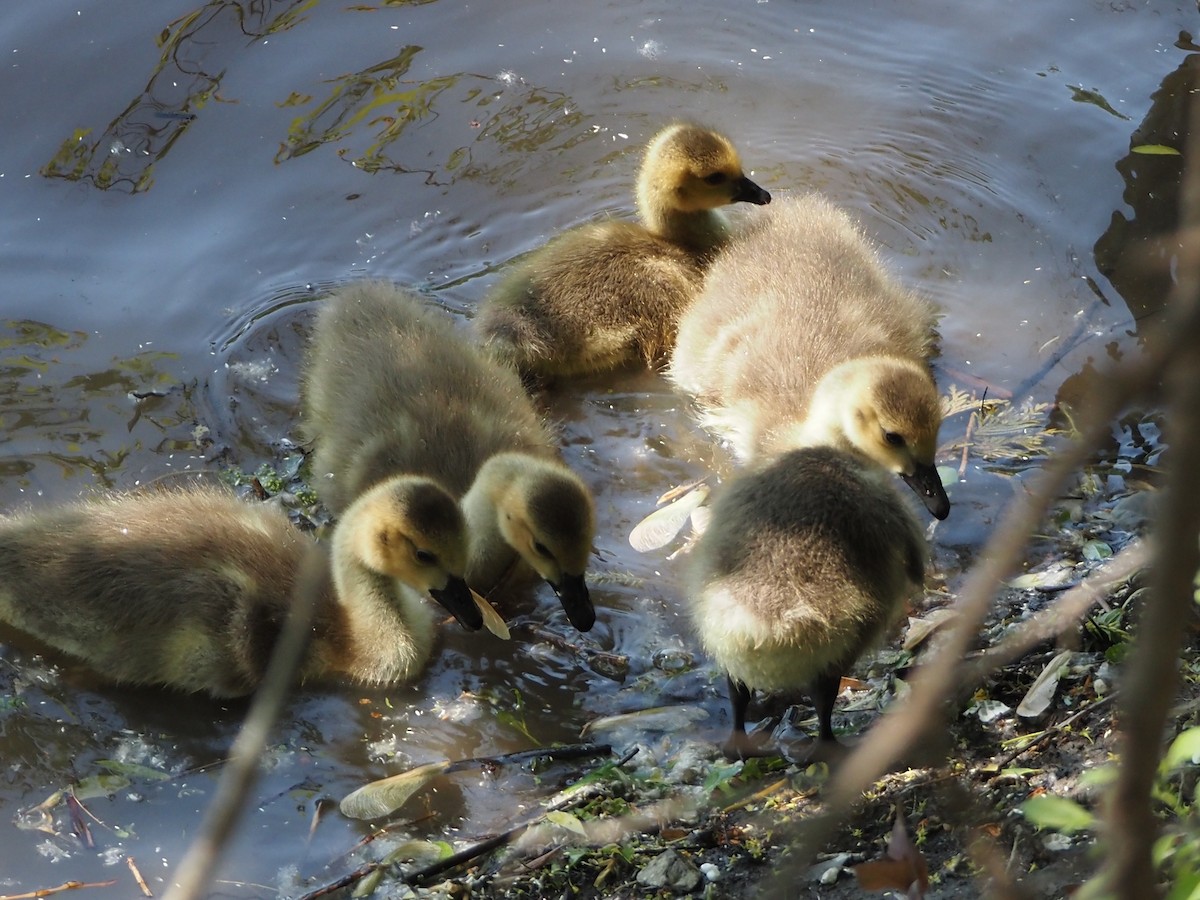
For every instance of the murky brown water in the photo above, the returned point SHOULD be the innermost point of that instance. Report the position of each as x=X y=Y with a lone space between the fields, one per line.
x=173 y=212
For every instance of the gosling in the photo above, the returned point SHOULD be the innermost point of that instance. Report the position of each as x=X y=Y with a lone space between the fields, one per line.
x=610 y=293
x=391 y=388
x=189 y=588
x=800 y=337
x=805 y=563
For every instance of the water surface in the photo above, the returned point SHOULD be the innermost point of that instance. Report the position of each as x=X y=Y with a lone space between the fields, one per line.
x=181 y=187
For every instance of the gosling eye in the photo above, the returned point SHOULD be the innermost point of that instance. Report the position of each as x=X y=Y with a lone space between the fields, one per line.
x=896 y=440
x=716 y=178
x=542 y=550
x=426 y=557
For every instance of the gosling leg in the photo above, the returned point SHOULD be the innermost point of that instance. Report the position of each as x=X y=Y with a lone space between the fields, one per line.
x=739 y=745
x=824 y=693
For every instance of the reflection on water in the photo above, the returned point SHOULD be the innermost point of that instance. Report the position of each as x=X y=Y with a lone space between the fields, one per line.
x=368 y=112
x=57 y=420
x=1138 y=253
x=195 y=51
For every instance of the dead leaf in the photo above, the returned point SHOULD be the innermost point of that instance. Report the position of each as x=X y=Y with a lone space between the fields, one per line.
x=920 y=630
x=383 y=797
x=903 y=869
x=492 y=620
x=660 y=527
x=1038 y=698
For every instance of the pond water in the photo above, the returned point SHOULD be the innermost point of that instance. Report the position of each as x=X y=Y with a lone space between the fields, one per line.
x=181 y=187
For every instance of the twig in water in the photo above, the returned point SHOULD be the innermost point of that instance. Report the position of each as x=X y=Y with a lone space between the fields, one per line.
x=570 y=751
x=65 y=886
x=137 y=876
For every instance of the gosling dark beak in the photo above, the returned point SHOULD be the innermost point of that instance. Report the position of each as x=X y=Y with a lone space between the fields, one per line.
x=456 y=597
x=749 y=192
x=927 y=484
x=573 y=593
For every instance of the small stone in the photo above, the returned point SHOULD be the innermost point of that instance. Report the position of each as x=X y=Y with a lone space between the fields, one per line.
x=670 y=870
x=710 y=871
x=827 y=872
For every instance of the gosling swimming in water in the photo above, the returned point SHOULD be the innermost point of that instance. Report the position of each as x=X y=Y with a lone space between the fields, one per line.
x=804 y=564
x=800 y=337
x=609 y=293
x=391 y=388
x=188 y=588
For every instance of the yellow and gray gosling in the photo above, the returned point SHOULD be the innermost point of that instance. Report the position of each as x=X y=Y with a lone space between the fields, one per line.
x=610 y=293
x=391 y=388
x=189 y=588
x=800 y=337
x=804 y=564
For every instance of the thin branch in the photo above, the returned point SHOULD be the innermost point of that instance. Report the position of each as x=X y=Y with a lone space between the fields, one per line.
x=199 y=864
x=1151 y=671
x=911 y=719
x=569 y=751
x=65 y=886
x=1065 y=614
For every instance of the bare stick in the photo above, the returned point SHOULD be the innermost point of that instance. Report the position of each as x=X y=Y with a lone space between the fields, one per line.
x=198 y=865
x=1070 y=608
x=65 y=886
x=137 y=876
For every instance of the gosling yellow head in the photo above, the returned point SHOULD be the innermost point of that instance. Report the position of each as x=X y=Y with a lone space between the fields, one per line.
x=688 y=170
x=887 y=409
x=545 y=513
x=409 y=528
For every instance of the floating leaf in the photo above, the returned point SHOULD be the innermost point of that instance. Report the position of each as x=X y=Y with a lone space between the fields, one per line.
x=660 y=527
x=133 y=770
x=1185 y=749
x=383 y=797
x=948 y=474
x=1155 y=150
x=366 y=886
x=657 y=718
x=421 y=852
x=564 y=819
x=100 y=786
x=492 y=620
x=1057 y=813
x=1037 y=699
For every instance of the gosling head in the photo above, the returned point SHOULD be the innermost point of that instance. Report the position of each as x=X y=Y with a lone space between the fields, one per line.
x=411 y=529
x=689 y=169
x=546 y=514
x=889 y=410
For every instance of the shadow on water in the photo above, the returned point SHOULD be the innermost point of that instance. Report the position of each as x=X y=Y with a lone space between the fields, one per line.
x=63 y=412
x=1138 y=254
